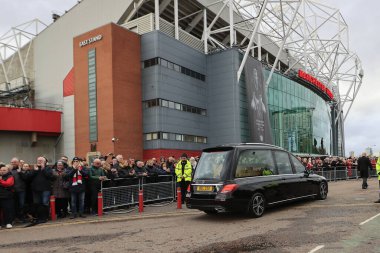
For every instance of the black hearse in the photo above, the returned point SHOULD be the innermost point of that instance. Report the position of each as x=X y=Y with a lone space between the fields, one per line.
x=250 y=177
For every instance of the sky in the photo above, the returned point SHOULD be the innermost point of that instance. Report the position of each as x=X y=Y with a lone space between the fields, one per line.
x=361 y=17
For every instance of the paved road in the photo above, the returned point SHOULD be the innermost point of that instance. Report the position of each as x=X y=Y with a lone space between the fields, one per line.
x=330 y=226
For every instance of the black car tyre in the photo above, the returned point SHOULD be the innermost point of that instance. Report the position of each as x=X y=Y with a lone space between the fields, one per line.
x=322 y=192
x=210 y=212
x=256 y=206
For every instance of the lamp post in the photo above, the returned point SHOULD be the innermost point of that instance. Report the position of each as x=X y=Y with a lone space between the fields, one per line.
x=114 y=140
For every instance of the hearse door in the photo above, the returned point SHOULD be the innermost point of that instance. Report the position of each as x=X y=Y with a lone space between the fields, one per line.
x=290 y=181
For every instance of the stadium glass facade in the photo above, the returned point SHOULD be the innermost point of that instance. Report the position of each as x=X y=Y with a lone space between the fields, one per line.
x=300 y=119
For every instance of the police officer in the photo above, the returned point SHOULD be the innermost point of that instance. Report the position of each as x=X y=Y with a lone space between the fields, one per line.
x=183 y=172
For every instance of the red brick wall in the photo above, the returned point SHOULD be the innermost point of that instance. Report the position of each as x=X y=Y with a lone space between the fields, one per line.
x=118 y=74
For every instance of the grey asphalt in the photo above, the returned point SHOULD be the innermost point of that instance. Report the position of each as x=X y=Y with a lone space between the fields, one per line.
x=332 y=225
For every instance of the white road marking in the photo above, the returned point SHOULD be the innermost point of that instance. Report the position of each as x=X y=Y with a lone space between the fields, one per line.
x=316 y=248
x=364 y=222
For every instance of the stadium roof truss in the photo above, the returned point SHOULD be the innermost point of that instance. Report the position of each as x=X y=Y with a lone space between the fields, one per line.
x=287 y=35
x=15 y=40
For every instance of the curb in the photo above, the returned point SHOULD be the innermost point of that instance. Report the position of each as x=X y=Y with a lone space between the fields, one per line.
x=110 y=219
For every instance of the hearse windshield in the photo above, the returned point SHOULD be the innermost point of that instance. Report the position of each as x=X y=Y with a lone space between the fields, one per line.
x=212 y=165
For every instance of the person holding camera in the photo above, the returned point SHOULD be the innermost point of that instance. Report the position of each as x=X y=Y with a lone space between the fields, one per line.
x=76 y=177
x=41 y=179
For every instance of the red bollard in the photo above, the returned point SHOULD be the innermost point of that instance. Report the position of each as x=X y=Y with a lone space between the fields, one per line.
x=100 y=204
x=179 y=198
x=52 y=207
x=141 y=201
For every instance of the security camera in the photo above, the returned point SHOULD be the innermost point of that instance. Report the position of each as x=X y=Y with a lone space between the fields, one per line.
x=113 y=139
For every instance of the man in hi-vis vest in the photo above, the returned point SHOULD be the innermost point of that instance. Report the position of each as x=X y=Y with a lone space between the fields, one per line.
x=378 y=176
x=183 y=172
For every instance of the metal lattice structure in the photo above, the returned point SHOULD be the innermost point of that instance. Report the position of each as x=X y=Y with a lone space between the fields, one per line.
x=16 y=46
x=286 y=35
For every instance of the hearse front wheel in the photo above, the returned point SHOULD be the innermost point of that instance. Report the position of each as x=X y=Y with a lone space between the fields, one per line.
x=322 y=194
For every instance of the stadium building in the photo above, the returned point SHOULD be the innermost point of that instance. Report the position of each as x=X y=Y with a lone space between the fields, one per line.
x=151 y=78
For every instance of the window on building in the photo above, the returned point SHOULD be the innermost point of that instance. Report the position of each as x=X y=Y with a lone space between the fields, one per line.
x=92 y=102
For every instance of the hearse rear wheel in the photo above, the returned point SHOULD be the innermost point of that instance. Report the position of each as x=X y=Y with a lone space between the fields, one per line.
x=256 y=206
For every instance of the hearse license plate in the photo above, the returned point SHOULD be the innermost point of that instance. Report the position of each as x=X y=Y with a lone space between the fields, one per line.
x=205 y=188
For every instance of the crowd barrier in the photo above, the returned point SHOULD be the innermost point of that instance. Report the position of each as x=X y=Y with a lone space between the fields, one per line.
x=138 y=191
x=124 y=192
x=342 y=173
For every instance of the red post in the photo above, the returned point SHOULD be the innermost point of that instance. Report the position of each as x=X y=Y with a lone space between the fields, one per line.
x=179 y=198
x=100 y=204
x=141 y=201
x=52 y=208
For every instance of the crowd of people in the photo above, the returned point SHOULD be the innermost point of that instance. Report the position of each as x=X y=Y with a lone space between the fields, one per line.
x=25 y=189
x=330 y=163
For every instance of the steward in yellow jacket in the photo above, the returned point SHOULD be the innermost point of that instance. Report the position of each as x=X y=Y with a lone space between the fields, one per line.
x=183 y=171
x=378 y=176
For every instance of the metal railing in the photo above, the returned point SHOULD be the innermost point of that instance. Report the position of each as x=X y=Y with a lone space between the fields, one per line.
x=123 y=192
x=342 y=173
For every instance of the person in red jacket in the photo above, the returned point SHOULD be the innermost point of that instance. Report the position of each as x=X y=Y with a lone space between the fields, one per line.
x=6 y=195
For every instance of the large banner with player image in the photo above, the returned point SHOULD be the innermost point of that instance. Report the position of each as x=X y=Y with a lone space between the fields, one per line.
x=260 y=131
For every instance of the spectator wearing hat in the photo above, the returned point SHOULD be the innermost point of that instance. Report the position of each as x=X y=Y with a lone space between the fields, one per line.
x=6 y=195
x=183 y=171
x=76 y=176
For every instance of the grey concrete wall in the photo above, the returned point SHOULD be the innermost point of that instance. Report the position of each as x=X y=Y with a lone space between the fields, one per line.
x=18 y=144
x=161 y=82
x=223 y=99
x=67 y=144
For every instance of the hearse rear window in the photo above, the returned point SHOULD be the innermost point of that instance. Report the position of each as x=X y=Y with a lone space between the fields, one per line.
x=254 y=163
x=211 y=165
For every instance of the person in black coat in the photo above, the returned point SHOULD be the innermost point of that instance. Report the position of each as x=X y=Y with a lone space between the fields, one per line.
x=363 y=165
x=6 y=195
x=41 y=180
x=19 y=188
